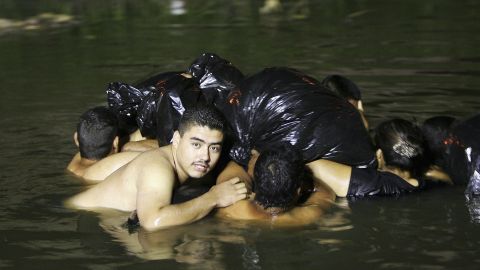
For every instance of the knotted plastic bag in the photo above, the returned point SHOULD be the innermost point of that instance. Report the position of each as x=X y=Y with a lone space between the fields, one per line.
x=216 y=77
x=282 y=105
x=124 y=99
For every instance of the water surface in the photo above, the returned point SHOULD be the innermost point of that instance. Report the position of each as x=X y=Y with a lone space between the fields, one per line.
x=412 y=59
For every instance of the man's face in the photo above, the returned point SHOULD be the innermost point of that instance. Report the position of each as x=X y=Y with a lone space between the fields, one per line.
x=198 y=150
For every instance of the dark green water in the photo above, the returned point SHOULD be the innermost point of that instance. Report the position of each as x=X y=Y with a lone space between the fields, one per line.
x=412 y=59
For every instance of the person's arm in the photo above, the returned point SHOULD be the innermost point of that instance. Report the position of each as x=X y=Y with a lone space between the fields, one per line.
x=347 y=181
x=233 y=170
x=140 y=146
x=103 y=168
x=439 y=175
x=308 y=212
x=333 y=174
x=154 y=193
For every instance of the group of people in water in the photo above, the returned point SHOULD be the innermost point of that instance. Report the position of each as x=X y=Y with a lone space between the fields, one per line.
x=278 y=145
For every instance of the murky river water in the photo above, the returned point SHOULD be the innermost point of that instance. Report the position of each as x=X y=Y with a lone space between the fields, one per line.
x=412 y=59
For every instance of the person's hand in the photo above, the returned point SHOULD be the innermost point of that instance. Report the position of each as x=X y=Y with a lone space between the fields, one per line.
x=229 y=192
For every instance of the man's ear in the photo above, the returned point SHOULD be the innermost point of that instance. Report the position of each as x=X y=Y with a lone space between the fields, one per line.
x=115 y=145
x=176 y=139
x=75 y=139
x=380 y=159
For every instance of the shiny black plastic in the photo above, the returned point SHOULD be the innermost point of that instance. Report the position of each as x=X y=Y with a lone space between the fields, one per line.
x=154 y=87
x=216 y=77
x=178 y=94
x=456 y=162
x=124 y=100
x=342 y=86
x=284 y=105
x=370 y=182
x=139 y=106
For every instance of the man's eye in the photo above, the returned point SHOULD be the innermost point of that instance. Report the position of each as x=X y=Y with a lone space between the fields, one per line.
x=196 y=145
x=215 y=149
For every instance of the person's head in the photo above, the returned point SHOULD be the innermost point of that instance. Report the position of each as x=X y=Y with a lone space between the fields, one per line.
x=96 y=135
x=277 y=175
x=198 y=140
x=344 y=88
x=400 y=144
x=435 y=131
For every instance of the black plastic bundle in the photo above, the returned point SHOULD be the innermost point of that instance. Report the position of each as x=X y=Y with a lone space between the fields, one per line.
x=216 y=77
x=342 y=86
x=279 y=105
x=463 y=147
x=178 y=94
x=147 y=111
x=124 y=100
x=137 y=106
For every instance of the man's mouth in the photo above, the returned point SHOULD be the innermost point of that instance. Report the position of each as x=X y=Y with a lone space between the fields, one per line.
x=200 y=166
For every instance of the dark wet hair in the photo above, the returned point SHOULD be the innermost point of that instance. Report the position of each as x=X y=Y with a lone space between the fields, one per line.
x=435 y=131
x=342 y=86
x=277 y=176
x=202 y=115
x=402 y=145
x=96 y=132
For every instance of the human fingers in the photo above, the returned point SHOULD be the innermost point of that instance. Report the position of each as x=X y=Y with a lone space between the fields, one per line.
x=242 y=190
x=240 y=185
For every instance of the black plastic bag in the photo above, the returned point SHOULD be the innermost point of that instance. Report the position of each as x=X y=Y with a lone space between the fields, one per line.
x=124 y=100
x=137 y=106
x=281 y=105
x=154 y=87
x=216 y=77
x=342 y=86
x=178 y=94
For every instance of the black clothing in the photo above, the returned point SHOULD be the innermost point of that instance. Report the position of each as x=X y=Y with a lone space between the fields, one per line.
x=370 y=182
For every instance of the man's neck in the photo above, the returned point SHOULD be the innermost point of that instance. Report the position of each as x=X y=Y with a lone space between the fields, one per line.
x=180 y=174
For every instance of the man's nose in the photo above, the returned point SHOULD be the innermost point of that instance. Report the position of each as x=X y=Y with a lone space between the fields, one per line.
x=205 y=154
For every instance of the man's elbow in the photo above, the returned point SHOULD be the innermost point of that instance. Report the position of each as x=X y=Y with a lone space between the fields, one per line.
x=156 y=223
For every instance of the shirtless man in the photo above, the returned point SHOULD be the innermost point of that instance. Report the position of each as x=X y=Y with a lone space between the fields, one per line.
x=146 y=184
x=280 y=186
x=277 y=177
x=97 y=141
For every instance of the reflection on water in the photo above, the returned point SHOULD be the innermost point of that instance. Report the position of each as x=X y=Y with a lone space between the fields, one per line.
x=190 y=244
x=209 y=242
